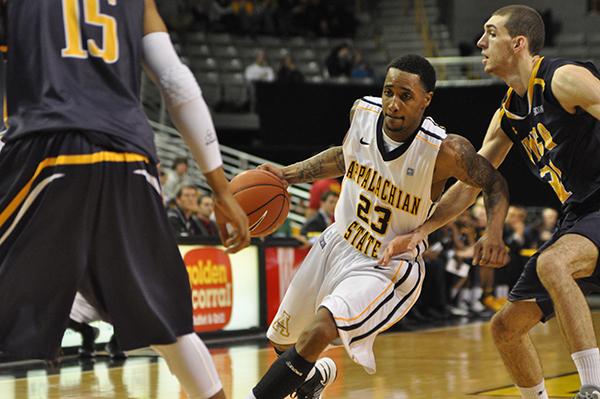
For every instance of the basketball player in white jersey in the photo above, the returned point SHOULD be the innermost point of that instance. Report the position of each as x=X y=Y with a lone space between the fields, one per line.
x=395 y=164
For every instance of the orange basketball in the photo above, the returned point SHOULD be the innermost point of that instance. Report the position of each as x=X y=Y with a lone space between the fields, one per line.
x=264 y=199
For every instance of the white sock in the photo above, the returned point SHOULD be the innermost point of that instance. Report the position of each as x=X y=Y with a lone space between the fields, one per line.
x=190 y=361
x=588 y=366
x=536 y=392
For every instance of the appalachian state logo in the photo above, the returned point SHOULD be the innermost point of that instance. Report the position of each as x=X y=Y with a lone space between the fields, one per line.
x=281 y=325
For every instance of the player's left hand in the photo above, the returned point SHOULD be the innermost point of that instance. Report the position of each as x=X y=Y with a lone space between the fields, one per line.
x=401 y=244
x=490 y=251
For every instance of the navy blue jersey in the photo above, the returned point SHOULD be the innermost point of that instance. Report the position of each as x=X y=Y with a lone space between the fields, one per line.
x=560 y=148
x=76 y=65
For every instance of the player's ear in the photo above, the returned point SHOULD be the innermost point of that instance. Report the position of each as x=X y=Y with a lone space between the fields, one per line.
x=520 y=43
x=428 y=97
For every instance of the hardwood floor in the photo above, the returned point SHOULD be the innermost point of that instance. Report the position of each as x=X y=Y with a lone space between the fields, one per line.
x=453 y=363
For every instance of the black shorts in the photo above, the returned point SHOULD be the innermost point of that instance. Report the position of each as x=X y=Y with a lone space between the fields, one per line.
x=529 y=287
x=78 y=216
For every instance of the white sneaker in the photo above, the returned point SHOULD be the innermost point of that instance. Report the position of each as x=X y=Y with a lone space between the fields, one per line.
x=324 y=374
x=588 y=392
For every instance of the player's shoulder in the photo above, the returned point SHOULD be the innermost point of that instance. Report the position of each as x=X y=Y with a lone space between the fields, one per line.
x=432 y=131
x=369 y=102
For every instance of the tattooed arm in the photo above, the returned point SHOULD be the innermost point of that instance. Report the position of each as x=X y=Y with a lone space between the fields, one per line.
x=329 y=163
x=475 y=174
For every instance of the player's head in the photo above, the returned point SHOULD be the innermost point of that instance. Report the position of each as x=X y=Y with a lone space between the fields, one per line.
x=510 y=33
x=407 y=91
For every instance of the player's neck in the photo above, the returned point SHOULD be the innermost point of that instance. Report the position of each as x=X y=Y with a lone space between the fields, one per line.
x=519 y=79
x=403 y=135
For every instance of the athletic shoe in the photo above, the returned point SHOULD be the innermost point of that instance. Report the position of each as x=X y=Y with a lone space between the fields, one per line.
x=114 y=349
x=492 y=303
x=88 y=340
x=588 y=392
x=325 y=373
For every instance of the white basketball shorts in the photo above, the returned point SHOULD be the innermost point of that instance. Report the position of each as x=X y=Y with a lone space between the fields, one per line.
x=364 y=298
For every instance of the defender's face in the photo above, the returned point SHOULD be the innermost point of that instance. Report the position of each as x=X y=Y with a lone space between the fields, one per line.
x=496 y=46
x=404 y=100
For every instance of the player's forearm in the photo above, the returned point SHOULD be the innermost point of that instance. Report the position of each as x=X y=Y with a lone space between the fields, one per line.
x=495 y=198
x=329 y=163
x=454 y=202
x=217 y=181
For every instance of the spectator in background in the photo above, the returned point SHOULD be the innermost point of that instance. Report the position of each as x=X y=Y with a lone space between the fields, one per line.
x=206 y=207
x=182 y=216
x=288 y=71
x=361 y=68
x=316 y=191
x=323 y=218
x=340 y=61
x=538 y=235
x=260 y=69
x=176 y=177
x=244 y=14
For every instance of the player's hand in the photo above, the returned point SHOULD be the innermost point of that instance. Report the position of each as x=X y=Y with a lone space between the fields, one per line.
x=490 y=251
x=401 y=244
x=232 y=222
x=276 y=170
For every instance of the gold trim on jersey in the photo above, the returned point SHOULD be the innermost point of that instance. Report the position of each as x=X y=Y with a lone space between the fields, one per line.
x=533 y=81
x=85 y=159
x=427 y=141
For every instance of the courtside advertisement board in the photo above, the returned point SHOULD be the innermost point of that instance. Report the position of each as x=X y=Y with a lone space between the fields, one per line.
x=225 y=287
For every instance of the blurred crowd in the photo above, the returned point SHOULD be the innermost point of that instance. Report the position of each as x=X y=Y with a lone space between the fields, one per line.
x=329 y=18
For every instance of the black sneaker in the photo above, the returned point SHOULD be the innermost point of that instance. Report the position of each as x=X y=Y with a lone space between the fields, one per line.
x=325 y=373
x=88 y=341
x=114 y=349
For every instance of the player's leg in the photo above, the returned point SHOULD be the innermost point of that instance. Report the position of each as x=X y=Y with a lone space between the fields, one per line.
x=83 y=313
x=45 y=208
x=190 y=361
x=137 y=277
x=510 y=330
x=293 y=321
x=573 y=257
x=294 y=365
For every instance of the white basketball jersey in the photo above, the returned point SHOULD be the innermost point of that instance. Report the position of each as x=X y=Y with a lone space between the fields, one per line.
x=385 y=193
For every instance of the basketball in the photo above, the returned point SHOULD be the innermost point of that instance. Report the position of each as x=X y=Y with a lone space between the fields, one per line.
x=263 y=197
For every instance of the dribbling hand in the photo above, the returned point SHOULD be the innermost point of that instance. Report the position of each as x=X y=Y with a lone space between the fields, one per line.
x=276 y=170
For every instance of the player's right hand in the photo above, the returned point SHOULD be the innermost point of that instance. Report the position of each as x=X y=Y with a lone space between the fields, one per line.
x=401 y=244
x=276 y=170
x=490 y=251
x=232 y=222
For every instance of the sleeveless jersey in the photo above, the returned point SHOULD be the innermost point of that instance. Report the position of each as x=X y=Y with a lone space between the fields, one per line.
x=560 y=148
x=76 y=65
x=384 y=194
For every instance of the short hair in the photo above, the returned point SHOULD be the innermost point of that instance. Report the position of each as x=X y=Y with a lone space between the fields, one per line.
x=418 y=65
x=179 y=160
x=184 y=187
x=524 y=21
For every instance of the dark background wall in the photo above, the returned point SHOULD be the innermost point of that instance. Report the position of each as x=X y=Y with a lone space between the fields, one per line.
x=299 y=121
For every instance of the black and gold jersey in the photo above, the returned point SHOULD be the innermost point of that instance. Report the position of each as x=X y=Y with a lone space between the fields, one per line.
x=76 y=65
x=560 y=148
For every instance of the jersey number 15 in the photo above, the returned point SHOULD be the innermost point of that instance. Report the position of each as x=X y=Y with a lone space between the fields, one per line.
x=91 y=16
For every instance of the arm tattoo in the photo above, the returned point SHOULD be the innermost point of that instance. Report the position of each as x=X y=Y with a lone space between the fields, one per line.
x=481 y=174
x=329 y=163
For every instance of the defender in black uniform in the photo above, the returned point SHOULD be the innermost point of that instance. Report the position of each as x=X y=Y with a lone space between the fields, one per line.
x=551 y=114
x=80 y=204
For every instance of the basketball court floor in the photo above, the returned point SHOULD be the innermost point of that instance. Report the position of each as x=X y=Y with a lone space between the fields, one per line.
x=454 y=363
